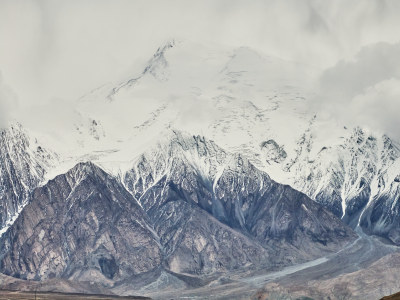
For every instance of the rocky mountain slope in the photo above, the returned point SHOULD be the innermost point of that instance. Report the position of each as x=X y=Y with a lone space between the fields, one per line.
x=357 y=180
x=187 y=173
x=260 y=107
x=154 y=205
x=82 y=225
x=200 y=210
x=23 y=164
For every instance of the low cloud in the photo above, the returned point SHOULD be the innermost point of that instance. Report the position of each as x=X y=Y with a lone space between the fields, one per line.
x=373 y=64
x=8 y=103
x=63 y=49
x=365 y=90
x=378 y=108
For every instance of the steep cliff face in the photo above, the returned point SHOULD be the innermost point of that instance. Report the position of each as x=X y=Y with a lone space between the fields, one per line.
x=23 y=163
x=82 y=225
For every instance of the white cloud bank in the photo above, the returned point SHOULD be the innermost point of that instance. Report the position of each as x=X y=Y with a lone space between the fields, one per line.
x=378 y=107
x=52 y=49
x=8 y=103
x=366 y=89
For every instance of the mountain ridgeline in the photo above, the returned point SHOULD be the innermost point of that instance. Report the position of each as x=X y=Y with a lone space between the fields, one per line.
x=125 y=196
x=185 y=206
x=262 y=108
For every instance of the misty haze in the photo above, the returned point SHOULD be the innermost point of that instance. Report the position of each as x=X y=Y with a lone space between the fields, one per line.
x=219 y=149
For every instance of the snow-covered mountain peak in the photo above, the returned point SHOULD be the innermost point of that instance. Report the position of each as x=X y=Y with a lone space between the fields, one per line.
x=194 y=149
x=158 y=64
x=24 y=161
x=17 y=144
x=250 y=104
x=84 y=169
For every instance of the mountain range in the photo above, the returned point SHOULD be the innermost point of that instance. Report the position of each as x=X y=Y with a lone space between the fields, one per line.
x=209 y=161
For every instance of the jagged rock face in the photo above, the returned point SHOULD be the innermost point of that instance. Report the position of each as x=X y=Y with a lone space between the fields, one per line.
x=189 y=176
x=272 y=212
x=194 y=241
x=23 y=164
x=202 y=210
x=359 y=182
x=84 y=226
x=176 y=153
x=382 y=215
x=174 y=189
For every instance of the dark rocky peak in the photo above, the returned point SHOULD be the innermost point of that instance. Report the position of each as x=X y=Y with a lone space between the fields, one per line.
x=82 y=225
x=87 y=179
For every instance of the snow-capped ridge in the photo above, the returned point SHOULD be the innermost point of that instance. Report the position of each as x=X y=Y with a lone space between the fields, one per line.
x=158 y=61
x=250 y=104
x=24 y=161
x=156 y=67
x=85 y=169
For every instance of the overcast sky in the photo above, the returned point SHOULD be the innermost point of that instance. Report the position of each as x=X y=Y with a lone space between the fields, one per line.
x=61 y=49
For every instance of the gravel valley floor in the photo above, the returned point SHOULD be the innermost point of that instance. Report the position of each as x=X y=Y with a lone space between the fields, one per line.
x=354 y=264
